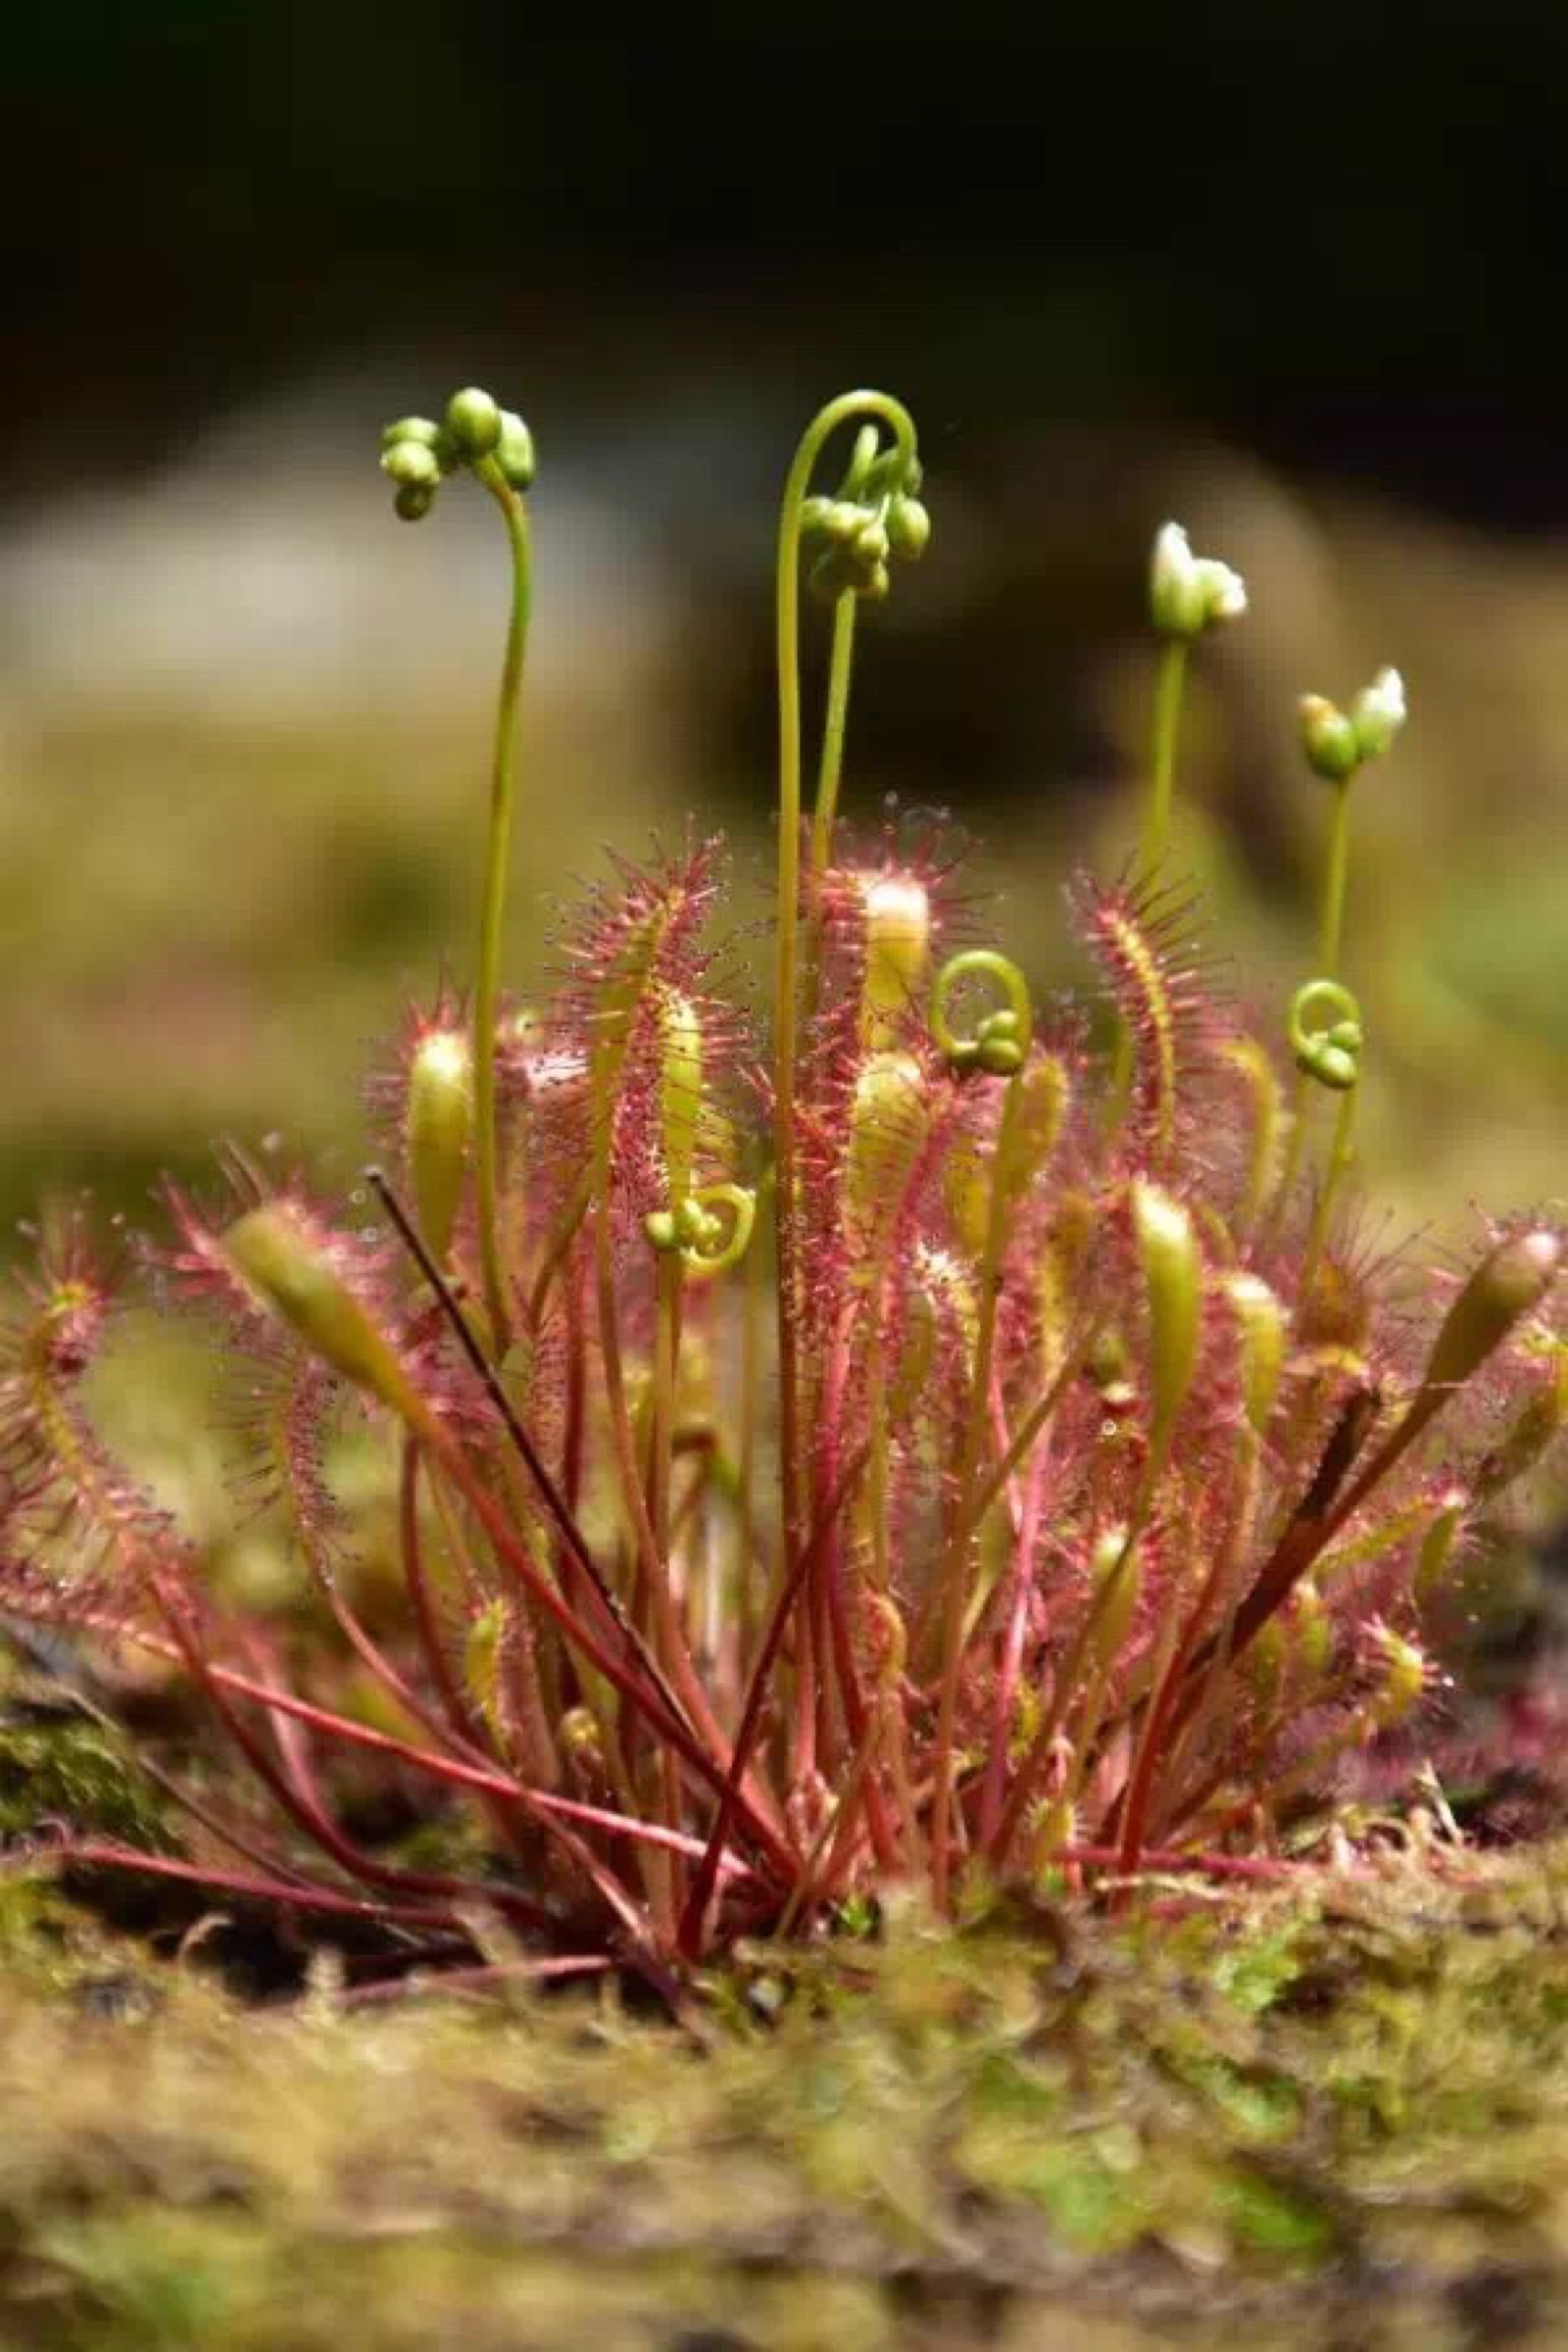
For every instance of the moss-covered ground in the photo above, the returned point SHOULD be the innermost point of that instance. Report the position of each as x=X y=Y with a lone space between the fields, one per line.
x=1333 y=2116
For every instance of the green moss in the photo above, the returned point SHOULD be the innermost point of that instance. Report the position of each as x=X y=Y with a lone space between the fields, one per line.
x=1035 y=2129
x=64 y=1765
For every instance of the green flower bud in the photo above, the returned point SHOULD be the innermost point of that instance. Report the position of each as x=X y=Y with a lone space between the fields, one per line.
x=473 y=421
x=411 y=464
x=414 y=501
x=439 y=1125
x=842 y=521
x=891 y=474
x=909 y=528
x=830 y=575
x=1332 y=1066
x=874 y=585
x=1000 y=1044
x=411 y=428
x=288 y=1270
x=515 y=452
x=1332 y=1054
x=871 y=545
x=1173 y=1293
x=1327 y=738
x=999 y=1050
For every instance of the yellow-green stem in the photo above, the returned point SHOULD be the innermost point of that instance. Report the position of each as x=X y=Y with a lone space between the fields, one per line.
x=1331 y=927
x=1169 y=687
x=840 y=664
x=1341 y=1153
x=786 y=1007
x=492 y=926
x=666 y=1349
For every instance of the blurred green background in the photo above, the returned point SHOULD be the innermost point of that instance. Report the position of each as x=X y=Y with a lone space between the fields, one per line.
x=1294 y=281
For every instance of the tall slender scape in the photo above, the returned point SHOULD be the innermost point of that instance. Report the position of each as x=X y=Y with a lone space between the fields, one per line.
x=1189 y=595
x=497 y=448
x=1116 y=1512
x=858 y=549
x=1336 y=747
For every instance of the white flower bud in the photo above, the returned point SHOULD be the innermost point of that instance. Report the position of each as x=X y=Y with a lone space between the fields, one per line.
x=1379 y=713
x=1187 y=593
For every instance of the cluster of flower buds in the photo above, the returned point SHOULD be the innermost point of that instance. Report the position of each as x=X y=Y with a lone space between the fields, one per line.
x=1187 y=593
x=877 y=516
x=709 y=1230
x=1338 y=741
x=999 y=1043
x=417 y=454
x=1326 y=1034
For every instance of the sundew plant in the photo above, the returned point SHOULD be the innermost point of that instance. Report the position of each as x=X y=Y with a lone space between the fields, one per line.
x=879 y=1436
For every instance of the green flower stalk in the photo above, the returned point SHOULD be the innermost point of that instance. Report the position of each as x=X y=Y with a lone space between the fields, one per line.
x=495 y=447
x=1337 y=747
x=864 y=572
x=1189 y=595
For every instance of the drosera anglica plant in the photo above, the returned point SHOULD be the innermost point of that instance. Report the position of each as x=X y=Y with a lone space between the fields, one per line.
x=924 y=1450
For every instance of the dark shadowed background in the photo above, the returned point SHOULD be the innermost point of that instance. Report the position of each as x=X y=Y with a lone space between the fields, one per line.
x=1298 y=282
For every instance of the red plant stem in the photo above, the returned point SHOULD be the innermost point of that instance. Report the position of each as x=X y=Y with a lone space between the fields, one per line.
x=101 y=1855
x=456 y=1734
x=292 y=1792
x=1141 y=1785
x=239 y=1841
x=676 y=1664
x=858 y=1718
x=826 y=1599
x=694 y=1917
x=453 y=1702
x=1316 y=1520
x=574 y=1435
x=1064 y=1690
x=453 y=1771
x=533 y=1461
x=1258 y=1867
x=1011 y=1667
x=655 y=1709
x=967 y=1521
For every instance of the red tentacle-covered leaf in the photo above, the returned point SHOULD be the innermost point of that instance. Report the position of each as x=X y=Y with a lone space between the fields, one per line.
x=1147 y=942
